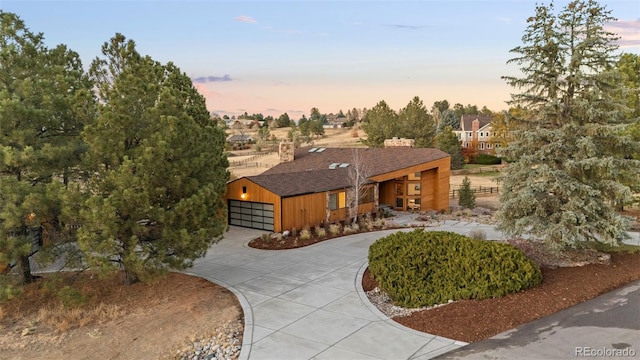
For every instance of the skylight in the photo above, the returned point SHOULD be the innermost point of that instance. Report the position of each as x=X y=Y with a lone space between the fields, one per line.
x=343 y=165
x=321 y=149
x=313 y=149
x=333 y=165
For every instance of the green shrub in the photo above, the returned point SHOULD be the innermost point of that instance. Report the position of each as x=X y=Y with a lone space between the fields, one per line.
x=421 y=268
x=486 y=159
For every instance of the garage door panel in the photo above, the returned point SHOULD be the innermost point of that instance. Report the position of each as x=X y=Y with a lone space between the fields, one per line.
x=251 y=214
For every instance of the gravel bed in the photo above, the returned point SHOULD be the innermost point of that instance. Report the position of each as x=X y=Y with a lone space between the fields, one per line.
x=224 y=344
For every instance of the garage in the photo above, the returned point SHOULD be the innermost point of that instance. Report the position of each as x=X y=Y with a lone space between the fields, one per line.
x=249 y=214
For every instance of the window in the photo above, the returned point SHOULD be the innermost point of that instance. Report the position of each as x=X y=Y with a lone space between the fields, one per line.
x=367 y=197
x=489 y=146
x=481 y=146
x=337 y=200
x=469 y=134
x=414 y=176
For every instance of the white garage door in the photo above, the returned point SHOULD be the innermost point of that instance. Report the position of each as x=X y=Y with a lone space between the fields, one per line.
x=251 y=214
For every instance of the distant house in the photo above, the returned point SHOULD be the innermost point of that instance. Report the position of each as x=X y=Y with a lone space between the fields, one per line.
x=312 y=186
x=476 y=130
x=240 y=139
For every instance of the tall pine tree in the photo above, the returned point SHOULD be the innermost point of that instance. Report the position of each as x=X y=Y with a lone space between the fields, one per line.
x=157 y=168
x=45 y=98
x=569 y=165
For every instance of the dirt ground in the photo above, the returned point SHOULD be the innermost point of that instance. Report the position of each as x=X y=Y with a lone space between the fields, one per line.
x=141 y=321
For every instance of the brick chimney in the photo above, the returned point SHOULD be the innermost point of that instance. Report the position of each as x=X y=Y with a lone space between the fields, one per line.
x=399 y=142
x=475 y=126
x=286 y=151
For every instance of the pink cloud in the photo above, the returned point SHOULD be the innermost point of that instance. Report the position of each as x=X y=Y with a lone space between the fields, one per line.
x=627 y=30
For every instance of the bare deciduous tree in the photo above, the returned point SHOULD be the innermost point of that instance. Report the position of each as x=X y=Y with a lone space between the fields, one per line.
x=358 y=172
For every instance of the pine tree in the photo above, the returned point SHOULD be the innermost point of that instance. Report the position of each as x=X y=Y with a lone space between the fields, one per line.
x=158 y=171
x=448 y=142
x=416 y=123
x=467 y=199
x=45 y=99
x=569 y=163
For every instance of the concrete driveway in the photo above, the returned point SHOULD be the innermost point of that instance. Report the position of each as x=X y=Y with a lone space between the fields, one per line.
x=308 y=303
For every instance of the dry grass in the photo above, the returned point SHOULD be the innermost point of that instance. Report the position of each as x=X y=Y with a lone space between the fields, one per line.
x=68 y=301
x=61 y=318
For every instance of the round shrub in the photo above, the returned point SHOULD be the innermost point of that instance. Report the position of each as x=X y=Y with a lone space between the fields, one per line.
x=425 y=268
x=486 y=159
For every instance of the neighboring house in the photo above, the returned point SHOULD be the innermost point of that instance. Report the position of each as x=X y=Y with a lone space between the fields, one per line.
x=311 y=186
x=240 y=139
x=476 y=129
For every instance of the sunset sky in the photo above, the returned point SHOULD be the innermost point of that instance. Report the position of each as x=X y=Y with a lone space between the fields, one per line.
x=289 y=56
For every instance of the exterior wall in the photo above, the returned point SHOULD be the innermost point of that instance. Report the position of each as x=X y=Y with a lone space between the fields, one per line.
x=302 y=211
x=387 y=193
x=434 y=184
x=256 y=193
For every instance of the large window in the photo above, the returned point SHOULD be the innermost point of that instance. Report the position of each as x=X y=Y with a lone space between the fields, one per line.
x=367 y=196
x=337 y=200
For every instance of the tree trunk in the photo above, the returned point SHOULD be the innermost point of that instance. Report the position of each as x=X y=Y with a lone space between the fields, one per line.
x=130 y=277
x=24 y=269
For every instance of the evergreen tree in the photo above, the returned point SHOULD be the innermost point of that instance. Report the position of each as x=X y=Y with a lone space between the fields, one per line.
x=157 y=168
x=568 y=164
x=45 y=98
x=416 y=123
x=449 y=118
x=380 y=123
x=467 y=198
x=448 y=142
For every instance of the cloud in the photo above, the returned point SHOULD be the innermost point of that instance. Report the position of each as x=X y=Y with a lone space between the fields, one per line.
x=206 y=79
x=407 y=27
x=627 y=30
x=245 y=19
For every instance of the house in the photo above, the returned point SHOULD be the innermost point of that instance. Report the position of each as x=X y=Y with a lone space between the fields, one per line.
x=476 y=130
x=240 y=139
x=311 y=186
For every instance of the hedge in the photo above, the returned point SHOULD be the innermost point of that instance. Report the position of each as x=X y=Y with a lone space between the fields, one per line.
x=424 y=268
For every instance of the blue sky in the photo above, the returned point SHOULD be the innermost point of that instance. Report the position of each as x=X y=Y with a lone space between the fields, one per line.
x=289 y=56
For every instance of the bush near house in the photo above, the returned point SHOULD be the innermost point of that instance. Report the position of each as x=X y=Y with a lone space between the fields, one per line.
x=422 y=268
x=486 y=159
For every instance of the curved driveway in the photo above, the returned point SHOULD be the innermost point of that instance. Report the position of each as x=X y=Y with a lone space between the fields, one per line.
x=308 y=303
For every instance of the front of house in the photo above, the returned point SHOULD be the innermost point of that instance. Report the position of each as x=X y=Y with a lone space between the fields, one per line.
x=313 y=186
x=476 y=132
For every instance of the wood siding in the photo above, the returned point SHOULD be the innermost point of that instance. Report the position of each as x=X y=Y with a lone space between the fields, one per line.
x=434 y=184
x=303 y=211
x=256 y=193
x=312 y=209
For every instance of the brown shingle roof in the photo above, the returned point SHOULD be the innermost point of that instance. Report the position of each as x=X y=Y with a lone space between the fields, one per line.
x=310 y=172
x=378 y=160
x=305 y=182
x=466 y=121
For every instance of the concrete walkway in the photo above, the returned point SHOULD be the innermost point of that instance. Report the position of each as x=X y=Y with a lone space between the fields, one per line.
x=308 y=303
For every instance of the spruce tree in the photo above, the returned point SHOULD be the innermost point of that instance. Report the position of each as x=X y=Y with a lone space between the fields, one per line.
x=569 y=162
x=157 y=171
x=467 y=198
